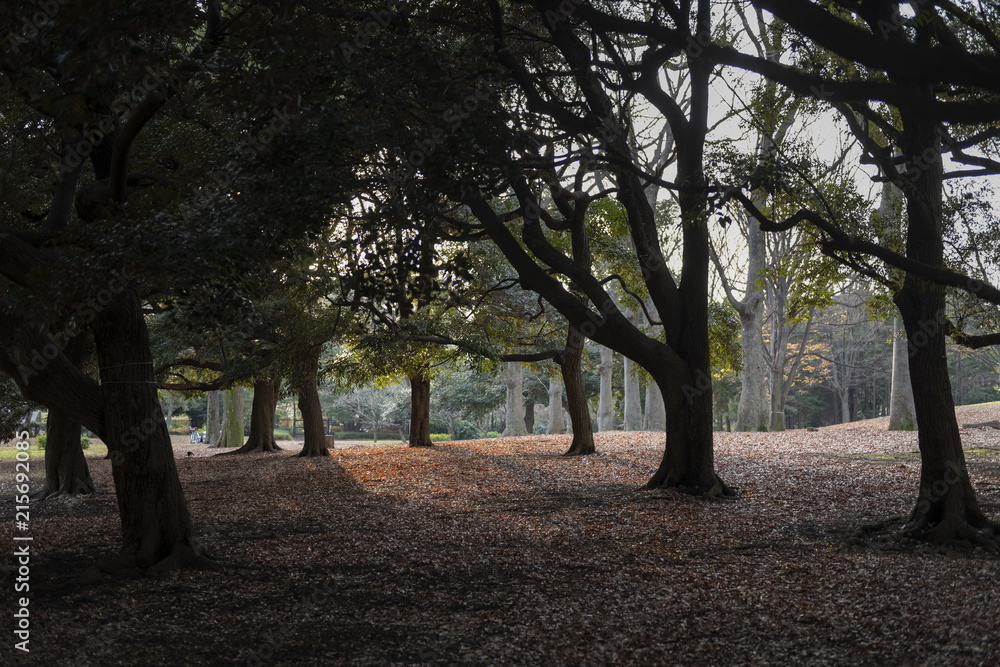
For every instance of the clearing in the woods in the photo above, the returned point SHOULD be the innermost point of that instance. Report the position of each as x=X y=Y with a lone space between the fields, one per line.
x=503 y=552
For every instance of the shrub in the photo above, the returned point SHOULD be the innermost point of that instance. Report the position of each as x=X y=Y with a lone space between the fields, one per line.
x=437 y=437
x=493 y=434
x=366 y=435
x=282 y=434
x=42 y=438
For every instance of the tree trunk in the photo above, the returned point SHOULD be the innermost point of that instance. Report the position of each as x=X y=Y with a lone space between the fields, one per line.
x=947 y=509
x=514 y=416
x=753 y=412
x=557 y=424
x=213 y=421
x=66 y=470
x=606 y=402
x=232 y=421
x=529 y=416
x=265 y=403
x=576 y=396
x=655 y=418
x=633 y=398
x=688 y=457
x=420 y=410
x=155 y=524
x=902 y=415
x=313 y=426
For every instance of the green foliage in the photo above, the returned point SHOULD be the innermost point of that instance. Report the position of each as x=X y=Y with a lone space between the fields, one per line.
x=365 y=435
x=14 y=410
x=41 y=439
x=724 y=337
x=283 y=434
x=439 y=437
x=493 y=434
x=84 y=442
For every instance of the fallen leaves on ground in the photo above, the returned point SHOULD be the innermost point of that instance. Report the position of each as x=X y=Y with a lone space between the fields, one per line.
x=503 y=552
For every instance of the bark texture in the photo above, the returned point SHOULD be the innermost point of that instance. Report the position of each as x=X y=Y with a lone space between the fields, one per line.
x=606 y=402
x=265 y=403
x=655 y=417
x=66 y=470
x=557 y=423
x=155 y=524
x=420 y=410
x=232 y=420
x=633 y=398
x=947 y=509
x=213 y=417
x=513 y=378
x=576 y=396
x=313 y=425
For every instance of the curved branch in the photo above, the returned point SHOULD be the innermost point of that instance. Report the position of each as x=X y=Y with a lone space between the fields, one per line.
x=841 y=241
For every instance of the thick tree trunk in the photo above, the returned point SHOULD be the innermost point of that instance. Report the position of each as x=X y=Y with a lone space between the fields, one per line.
x=529 y=416
x=557 y=424
x=265 y=403
x=66 y=470
x=232 y=421
x=688 y=458
x=213 y=420
x=576 y=396
x=313 y=425
x=606 y=402
x=155 y=524
x=420 y=410
x=513 y=378
x=947 y=509
x=902 y=414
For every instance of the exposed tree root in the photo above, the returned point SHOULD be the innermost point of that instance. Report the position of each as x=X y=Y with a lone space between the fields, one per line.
x=184 y=556
x=579 y=450
x=69 y=488
x=954 y=531
x=716 y=490
x=421 y=444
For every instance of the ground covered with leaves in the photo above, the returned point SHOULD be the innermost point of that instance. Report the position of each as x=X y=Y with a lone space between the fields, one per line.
x=503 y=552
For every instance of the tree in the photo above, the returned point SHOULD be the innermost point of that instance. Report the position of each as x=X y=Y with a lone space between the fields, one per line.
x=514 y=411
x=265 y=403
x=124 y=410
x=895 y=100
x=679 y=366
